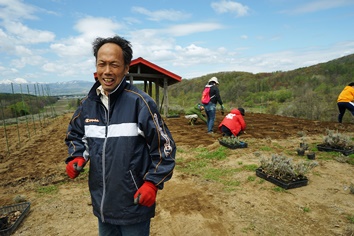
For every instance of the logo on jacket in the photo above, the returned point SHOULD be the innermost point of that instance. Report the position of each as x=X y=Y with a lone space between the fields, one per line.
x=167 y=146
x=230 y=116
x=88 y=120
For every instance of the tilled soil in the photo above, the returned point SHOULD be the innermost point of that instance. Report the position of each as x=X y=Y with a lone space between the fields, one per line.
x=188 y=205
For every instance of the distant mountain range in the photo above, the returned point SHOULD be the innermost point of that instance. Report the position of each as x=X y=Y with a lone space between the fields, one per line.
x=76 y=87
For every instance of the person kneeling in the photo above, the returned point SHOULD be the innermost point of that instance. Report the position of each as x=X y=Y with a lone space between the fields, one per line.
x=233 y=123
x=195 y=112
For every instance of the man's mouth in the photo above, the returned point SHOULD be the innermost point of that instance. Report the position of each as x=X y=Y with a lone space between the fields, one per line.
x=108 y=80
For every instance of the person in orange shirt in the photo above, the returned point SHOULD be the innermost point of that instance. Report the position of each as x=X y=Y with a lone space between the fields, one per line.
x=233 y=123
x=346 y=101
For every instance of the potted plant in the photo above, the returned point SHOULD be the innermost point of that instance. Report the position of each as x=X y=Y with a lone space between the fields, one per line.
x=304 y=149
x=283 y=172
x=232 y=142
x=337 y=142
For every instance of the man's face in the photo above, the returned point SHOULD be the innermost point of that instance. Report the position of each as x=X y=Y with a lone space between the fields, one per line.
x=110 y=66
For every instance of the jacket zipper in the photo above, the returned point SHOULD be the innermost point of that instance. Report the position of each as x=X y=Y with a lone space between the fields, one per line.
x=103 y=160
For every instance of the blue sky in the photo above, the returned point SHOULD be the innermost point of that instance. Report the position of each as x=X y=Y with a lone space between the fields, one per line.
x=50 y=40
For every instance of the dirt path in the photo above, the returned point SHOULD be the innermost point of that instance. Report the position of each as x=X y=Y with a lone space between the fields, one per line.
x=189 y=205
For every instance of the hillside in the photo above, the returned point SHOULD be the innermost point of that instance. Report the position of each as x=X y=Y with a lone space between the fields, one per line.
x=309 y=92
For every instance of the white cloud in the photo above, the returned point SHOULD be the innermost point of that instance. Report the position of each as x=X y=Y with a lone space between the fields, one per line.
x=52 y=67
x=161 y=15
x=22 y=50
x=230 y=6
x=92 y=27
x=20 y=81
x=65 y=69
x=22 y=61
x=192 y=28
x=27 y=35
x=244 y=37
x=16 y=9
x=290 y=60
x=89 y=29
x=319 y=5
x=72 y=48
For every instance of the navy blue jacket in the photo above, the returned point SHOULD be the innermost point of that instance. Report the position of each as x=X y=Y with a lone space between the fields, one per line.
x=126 y=145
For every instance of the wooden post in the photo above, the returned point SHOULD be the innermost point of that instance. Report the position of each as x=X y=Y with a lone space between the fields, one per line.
x=165 y=94
x=157 y=89
x=150 y=88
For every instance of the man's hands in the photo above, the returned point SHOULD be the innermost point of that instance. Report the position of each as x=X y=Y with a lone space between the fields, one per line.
x=146 y=194
x=75 y=166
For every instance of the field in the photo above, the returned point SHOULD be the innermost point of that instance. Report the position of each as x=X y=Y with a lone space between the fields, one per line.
x=191 y=203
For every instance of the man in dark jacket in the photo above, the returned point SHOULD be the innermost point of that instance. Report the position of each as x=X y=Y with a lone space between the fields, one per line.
x=210 y=108
x=131 y=153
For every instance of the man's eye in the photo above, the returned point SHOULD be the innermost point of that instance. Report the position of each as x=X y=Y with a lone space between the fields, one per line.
x=115 y=65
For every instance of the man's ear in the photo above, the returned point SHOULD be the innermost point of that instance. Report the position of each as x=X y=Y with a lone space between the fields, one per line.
x=126 y=70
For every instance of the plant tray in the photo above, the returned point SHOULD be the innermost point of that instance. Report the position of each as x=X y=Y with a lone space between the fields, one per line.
x=346 y=152
x=233 y=146
x=281 y=183
x=23 y=208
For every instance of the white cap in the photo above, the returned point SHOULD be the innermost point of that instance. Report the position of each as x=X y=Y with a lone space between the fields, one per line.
x=214 y=79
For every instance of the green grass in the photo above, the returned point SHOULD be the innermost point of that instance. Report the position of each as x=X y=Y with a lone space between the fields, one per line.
x=251 y=167
x=265 y=148
x=206 y=166
x=351 y=219
x=218 y=154
x=279 y=189
x=50 y=189
x=251 y=178
x=306 y=209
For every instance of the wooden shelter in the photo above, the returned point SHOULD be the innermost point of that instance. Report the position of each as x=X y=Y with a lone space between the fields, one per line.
x=143 y=70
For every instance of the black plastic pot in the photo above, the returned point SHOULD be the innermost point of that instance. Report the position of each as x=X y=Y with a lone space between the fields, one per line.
x=311 y=155
x=281 y=183
x=325 y=148
x=300 y=152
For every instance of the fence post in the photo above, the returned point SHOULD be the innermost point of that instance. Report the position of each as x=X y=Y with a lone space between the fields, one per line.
x=23 y=104
x=34 y=123
x=4 y=124
x=18 y=129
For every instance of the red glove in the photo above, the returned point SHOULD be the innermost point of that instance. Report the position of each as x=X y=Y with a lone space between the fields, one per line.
x=75 y=166
x=146 y=194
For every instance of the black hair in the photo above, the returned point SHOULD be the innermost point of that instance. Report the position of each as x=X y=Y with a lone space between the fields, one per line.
x=351 y=84
x=121 y=42
x=242 y=111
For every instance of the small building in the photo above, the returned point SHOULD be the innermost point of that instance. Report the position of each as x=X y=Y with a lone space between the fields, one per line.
x=143 y=70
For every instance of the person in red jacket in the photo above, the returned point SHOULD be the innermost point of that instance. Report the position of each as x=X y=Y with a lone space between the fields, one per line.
x=233 y=123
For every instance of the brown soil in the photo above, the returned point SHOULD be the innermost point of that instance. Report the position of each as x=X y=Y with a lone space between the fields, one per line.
x=189 y=204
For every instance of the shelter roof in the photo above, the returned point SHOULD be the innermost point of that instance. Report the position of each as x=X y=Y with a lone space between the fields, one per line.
x=142 y=69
